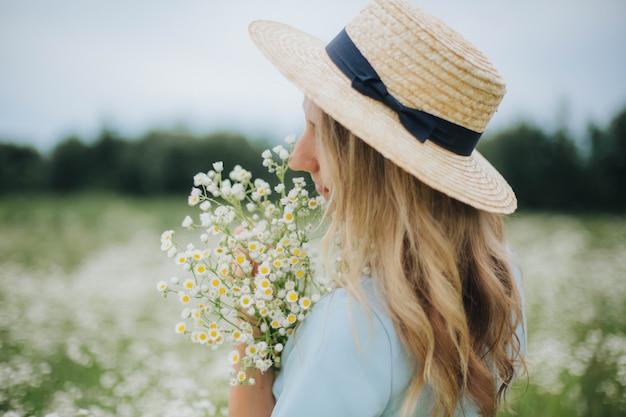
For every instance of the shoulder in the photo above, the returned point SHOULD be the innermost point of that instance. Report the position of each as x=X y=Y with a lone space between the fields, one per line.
x=340 y=317
x=346 y=353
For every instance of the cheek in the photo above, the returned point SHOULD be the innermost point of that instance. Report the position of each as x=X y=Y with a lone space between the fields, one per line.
x=325 y=172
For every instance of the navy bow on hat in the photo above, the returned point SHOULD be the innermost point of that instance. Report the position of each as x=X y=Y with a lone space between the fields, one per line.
x=424 y=126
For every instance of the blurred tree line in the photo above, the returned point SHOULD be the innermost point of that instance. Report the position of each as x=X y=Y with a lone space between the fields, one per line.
x=548 y=171
x=159 y=163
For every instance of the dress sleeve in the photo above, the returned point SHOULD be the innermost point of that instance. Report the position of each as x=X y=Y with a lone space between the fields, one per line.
x=340 y=364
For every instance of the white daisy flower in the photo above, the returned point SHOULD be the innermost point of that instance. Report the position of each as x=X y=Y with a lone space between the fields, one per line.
x=205 y=205
x=246 y=301
x=180 y=327
x=305 y=303
x=218 y=166
x=233 y=357
x=291 y=296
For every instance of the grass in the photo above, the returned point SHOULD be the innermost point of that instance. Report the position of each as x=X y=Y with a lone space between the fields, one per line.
x=83 y=330
x=574 y=270
x=50 y=231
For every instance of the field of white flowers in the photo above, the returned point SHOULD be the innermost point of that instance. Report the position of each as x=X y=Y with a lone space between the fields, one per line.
x=83 y=330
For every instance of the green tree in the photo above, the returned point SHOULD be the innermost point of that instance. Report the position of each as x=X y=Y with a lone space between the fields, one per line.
x=545 y=171
x=22 y=168
x=70 y=166
x=608 y=162
x=106 y=156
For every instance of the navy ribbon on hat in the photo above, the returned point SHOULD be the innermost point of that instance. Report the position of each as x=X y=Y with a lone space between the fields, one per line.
x=424 y=126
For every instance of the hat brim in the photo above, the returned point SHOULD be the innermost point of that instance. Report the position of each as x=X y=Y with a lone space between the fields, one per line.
x=303 y=60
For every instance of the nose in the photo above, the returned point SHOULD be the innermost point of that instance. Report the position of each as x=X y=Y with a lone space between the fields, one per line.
x=303 y=157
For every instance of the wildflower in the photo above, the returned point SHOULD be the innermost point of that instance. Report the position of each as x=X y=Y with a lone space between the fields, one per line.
x=218 y=166
x=162 y=286
x=187 y=222
x=305 y=302
x=214 y=334
x=291 y=319
x=167 y=235
x=291 y=297
x=288 y=217
x=201 y=179
x=180 y=259
x=205 y=205
x=238 y=192
x=189 y=284
x=241 y=376
x=264 y=269
x=180 y=327
x=194 y=197
x=245 y=301
x=263 y=283
x=184 y=297
x=233 y=357
x=239 y=174
x=200 y=269
x=200 y=337
x=206 y=219
x=251 y=350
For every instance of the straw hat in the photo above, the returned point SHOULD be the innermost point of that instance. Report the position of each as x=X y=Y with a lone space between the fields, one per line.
x=428 y=69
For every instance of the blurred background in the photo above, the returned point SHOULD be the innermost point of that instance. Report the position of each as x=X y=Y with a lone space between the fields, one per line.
x=108 y=109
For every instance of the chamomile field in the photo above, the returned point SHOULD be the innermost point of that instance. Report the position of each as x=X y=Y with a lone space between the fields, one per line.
x=84 y=332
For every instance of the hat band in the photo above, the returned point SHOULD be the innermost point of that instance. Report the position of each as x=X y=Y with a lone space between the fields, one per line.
x=424 y=126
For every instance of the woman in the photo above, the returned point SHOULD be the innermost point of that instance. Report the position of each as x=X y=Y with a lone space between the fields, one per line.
x=427 y=317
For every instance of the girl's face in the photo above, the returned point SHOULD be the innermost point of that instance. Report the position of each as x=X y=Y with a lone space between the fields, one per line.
x=307 y=155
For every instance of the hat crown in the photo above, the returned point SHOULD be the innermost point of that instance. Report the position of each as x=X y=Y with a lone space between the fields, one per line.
x=427 y=65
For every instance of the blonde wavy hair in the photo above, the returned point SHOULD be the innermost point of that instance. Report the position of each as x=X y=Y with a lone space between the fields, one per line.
x=444 y=267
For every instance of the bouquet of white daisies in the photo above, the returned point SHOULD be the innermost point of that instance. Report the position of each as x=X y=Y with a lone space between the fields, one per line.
x=250 y=279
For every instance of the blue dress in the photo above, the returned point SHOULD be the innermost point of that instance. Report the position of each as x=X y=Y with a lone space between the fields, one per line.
x=343 y=362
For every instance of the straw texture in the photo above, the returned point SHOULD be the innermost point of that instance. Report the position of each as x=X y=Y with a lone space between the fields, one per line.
x=425 y=65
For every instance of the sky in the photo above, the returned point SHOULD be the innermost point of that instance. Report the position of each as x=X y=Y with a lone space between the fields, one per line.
x=73 y=67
